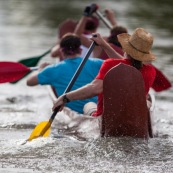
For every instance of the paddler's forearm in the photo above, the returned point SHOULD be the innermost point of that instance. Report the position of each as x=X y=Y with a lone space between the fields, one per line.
x=87 y=91
x=110 y=51
x=80 y=26
x=33 y=79
x=105 y=46
x=79 y=30
x=111 y=17
x=81 y=94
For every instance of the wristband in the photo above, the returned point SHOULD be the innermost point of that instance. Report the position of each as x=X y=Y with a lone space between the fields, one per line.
x=66 y=99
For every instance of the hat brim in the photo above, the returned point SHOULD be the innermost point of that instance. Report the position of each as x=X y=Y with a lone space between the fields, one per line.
x=136 y=54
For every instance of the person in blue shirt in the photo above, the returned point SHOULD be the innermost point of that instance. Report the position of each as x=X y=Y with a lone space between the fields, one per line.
x=59 y=75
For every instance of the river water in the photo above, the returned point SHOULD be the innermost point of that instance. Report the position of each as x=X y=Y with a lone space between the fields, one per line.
x=29 y=28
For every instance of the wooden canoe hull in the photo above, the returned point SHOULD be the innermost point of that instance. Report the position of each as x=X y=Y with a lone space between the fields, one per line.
x=125 y=109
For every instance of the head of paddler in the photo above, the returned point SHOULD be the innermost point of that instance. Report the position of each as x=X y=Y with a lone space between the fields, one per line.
x=70 y=45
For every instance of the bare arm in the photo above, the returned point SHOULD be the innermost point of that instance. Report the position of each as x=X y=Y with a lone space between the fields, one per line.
x=79 y=30
x=80 y=27
x=106 y=47
x=90 y=90
x=87 y=91
x=55 y=52
x=111 y=17
x=33 y=78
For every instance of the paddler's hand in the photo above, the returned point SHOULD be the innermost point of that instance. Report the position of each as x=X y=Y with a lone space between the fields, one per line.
x=43 y=65
x=61 y=101
x=98 y=39
x=110 y=15
x=57 y=103
x=89 y=10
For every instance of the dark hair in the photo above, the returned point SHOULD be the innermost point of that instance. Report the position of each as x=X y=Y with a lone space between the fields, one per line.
x=135 y=63
x=92 y=23
x=70 y=44
x=113 y=35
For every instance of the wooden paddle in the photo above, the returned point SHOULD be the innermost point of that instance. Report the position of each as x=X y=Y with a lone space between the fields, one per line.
x=43 y=128
x=12 y=71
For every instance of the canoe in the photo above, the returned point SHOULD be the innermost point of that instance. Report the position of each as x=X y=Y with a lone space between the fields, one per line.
x=125 y=108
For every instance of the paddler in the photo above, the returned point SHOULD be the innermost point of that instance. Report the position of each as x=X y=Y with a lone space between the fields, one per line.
x=69 y=25
x=161 y=82
x=60 y=74
x=137 y=48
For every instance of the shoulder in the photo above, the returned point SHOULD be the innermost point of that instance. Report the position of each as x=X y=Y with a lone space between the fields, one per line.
x=115 y=60
x=53 y=67
x=95 y=60
x=149 y=68
x=111 y=62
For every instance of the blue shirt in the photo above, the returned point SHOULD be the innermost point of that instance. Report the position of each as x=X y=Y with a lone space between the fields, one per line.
x=59 y=75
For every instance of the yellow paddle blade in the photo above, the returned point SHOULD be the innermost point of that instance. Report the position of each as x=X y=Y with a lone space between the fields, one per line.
x=42 y=129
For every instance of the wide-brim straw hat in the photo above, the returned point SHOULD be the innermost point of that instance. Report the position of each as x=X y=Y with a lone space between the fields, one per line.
x=138 y=45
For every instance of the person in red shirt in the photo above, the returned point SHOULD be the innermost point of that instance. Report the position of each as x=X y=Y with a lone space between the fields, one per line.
x=137 y=48
x=161 y=82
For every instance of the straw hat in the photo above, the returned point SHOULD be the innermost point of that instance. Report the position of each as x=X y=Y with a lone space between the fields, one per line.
x=137 y=45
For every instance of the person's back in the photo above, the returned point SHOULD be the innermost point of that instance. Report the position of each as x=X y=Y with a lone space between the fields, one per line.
x=148 y=73
x=137 y=49
x=59 y=75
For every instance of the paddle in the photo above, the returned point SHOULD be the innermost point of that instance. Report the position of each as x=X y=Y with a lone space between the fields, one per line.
x=12 y=71
x=33 y=61
x=64 y=27
x=103 y=19
x=43 y=128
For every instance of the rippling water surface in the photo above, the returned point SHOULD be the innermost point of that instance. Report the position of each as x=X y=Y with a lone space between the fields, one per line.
x=29 y=28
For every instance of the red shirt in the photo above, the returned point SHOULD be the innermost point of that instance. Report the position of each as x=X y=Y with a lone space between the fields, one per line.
x=148 y=73
x=160 y=83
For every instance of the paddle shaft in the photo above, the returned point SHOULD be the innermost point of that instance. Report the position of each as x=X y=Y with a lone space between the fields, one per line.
x=48 y=51
x=33 y=61
x=70 y=85
x=103 y=19
x=33 y=68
